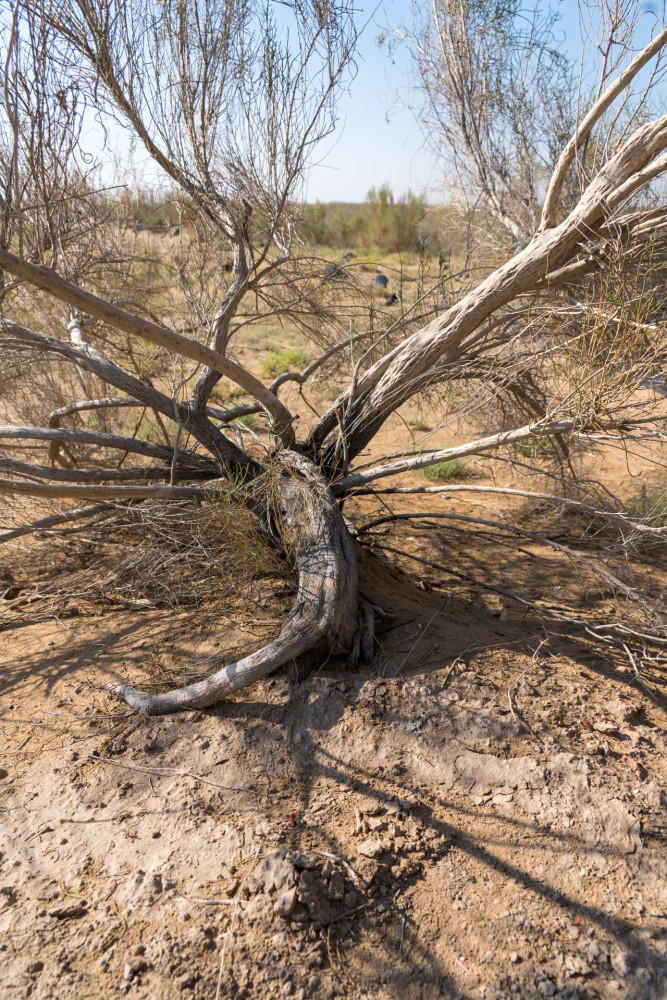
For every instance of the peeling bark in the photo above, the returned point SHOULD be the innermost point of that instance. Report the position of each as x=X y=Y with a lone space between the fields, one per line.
x=324 y=614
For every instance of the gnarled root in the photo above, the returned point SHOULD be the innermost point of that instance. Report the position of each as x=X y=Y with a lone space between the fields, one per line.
x=325 y=610
x=363 y=647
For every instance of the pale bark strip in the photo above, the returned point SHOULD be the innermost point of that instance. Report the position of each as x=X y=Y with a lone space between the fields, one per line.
x=98 y=475
x=325 y=611
x=20 y=487
x=542 y=429
x=586 y=126
x=53 y=284
x=78 y=514
x=102 y=440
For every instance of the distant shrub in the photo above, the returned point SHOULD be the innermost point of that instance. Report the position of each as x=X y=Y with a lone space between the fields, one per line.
x=535 y=447
x=649 y=504
x=381 y=222
x=248 y=420
x=291 y=359
x=455 y=468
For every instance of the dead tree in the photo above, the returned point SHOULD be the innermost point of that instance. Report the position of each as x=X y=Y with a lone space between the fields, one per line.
x=229 y=112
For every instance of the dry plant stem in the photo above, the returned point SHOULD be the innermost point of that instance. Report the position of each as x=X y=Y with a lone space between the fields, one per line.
x=52 y=283
x=640 y=679
x=98 y=475
x=81 y=354
x=422 y=358
x=591 y=630
x=99 y=438
x=593 y=564
x=553 y=498
x=50 y=522
x=325 y=610
x=17 y=487
x=584 y=129
x=534 y=662
x=161 y=771
x=541 y=428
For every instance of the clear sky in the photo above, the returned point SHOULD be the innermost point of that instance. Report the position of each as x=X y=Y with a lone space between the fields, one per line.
x=377 y=140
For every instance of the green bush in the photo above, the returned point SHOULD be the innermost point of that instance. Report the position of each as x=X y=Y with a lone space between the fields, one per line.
x=248 y=420
x=455 y=468
x=418 y=425
x=382 y=221
x=535 y=447
x=289 y=360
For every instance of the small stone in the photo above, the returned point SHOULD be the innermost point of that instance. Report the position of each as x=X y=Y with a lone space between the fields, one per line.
x=644 y=976
x=514 y=957
x=134 y=967
x=546 y=988
x=304 y=860
x=370 y=848
x=34 y=968
x=285 y=903
x=594 y=951
x=185 y=982
x=620 y=962
x=336 y=887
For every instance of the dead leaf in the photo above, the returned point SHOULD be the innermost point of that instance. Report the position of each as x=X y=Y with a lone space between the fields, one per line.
x=638 y=768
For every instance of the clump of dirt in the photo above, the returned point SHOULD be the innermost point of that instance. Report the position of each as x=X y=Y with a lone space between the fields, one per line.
x=407 y=831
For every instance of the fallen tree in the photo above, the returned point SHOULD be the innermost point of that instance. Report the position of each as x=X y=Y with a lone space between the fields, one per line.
x=229 y=112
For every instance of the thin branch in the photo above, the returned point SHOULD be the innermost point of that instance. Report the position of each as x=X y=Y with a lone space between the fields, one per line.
x=568 y=154
x=53 y=284
x=45 y=523
x=17 y=487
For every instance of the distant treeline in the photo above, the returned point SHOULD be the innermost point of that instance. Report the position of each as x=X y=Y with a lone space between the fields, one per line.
x=381 y=222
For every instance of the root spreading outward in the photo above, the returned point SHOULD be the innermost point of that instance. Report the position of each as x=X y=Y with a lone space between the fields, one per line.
x=325 y=610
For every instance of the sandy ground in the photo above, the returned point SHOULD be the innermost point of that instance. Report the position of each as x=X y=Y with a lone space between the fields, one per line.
x=396 y=833
x=408 y=831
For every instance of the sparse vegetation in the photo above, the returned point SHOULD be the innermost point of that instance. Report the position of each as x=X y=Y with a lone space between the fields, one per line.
x=533 y=447
x=289 y=360
x=649 y=504
x=424 y=475
x=454 y=468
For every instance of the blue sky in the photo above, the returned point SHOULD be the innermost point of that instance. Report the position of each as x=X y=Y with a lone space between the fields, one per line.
x=377 y=141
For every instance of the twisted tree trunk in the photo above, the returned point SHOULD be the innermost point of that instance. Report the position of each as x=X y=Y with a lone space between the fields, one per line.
x=313 y=531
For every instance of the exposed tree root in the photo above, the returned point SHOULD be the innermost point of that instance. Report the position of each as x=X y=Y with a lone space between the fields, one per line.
x=324 y=613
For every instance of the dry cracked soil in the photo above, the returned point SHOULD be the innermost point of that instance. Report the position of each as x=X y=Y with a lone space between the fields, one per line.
x=402 y=832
